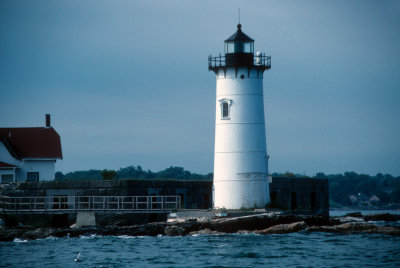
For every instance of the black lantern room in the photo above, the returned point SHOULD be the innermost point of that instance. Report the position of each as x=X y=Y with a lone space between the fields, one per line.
x=239 y=52
x=239 y=49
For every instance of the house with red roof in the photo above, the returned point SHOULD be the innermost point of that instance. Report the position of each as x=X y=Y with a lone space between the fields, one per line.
x=29 y=153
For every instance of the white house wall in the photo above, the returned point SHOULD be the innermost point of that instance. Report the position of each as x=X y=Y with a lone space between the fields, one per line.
x=6 y=157
x=46 y=169
x=7 y=171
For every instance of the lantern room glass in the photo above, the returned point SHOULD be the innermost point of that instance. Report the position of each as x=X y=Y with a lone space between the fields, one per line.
x=239 y=47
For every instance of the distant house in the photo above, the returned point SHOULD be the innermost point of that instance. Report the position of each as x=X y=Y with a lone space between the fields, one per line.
x=364 y=200
x=353 y=200
x=374 y=200
x=29 y=153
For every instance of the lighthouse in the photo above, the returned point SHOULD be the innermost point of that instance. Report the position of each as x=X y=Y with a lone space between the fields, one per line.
x=240 y=156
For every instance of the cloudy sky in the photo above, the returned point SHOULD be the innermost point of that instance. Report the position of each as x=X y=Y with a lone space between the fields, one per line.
x=126 y=82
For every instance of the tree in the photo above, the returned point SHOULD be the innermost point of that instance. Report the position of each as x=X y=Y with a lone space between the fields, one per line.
x=108 y=174
x=59 y=176
x=288 y=174
x=139 y=168
x=395 y=196
x=92 y=174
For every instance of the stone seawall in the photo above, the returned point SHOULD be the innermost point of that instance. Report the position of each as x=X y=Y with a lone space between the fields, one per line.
x=194 y=194
x=62 y=220
x=305 y=195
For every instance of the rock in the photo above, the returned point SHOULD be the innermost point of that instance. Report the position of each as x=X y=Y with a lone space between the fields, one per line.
x=173 y=215
x=20 y=225
x=356 y=227
x=315 y=220
x=7 y=235
x=350 y=227
x=389 y=230
x=38 y=233
x=205 y=231
x=350 y=219
x=203 y=219
x=174 y=230
x=382 y=217
x=251 y=222
x=192 y=226
x=259 y=210
x=151 y=229
x=334 y=221
x=266 y=223
x=354 y=214
x=187 y=220
x=284 y=228
x=244 y=232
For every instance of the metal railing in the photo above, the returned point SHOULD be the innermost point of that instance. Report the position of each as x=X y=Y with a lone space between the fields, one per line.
x=89 y=203
x=261 y=60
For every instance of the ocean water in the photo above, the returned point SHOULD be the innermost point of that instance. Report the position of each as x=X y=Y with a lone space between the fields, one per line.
x=295 y=250
x=301 y=249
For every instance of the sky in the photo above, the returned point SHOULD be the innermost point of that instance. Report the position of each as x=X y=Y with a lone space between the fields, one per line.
x=127 y=83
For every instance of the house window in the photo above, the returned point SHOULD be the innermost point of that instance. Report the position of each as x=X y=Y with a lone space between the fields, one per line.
x=33 y=176
x=7 y=178
x=225 y=107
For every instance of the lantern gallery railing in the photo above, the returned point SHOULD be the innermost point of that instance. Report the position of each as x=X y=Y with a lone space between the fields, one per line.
x=89 y=203
x=259 y=60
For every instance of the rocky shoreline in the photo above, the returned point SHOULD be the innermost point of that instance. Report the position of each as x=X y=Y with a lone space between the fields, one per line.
x=265 y=223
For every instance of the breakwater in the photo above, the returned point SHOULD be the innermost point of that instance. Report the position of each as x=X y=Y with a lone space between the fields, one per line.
x=265 y=223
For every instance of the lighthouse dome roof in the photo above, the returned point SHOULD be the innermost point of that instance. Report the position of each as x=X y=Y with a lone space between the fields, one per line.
x=239 y=36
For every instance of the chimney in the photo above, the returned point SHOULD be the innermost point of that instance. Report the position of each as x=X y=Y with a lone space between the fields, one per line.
x=48 y=120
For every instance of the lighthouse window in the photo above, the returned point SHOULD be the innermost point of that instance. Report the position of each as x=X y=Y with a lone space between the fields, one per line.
x=239 y=47
x=225 y=110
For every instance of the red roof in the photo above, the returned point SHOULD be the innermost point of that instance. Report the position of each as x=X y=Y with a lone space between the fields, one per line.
x=5 y=165
x=32 y=142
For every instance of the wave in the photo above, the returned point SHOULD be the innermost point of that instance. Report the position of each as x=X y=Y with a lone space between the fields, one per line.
x=19 y=240
x=126 y=236
x=92 y=236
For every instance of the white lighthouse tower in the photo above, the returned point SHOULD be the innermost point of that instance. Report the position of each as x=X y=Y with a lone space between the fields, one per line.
x=240 y=159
